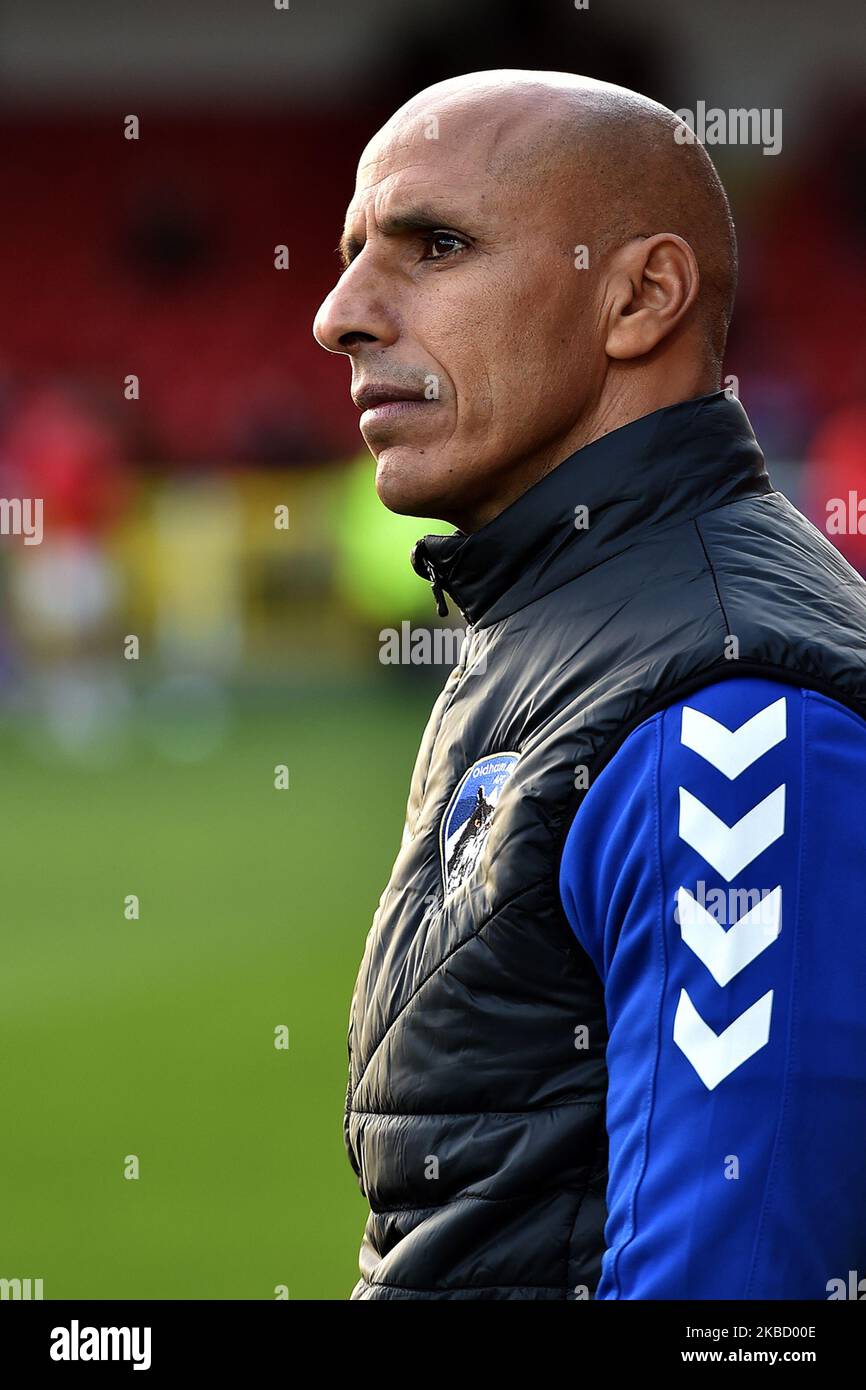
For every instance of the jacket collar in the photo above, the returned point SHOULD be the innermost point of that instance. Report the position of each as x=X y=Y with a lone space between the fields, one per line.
x=662 y=468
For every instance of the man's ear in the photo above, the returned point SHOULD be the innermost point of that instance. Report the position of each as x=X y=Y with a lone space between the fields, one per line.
x=652 y=284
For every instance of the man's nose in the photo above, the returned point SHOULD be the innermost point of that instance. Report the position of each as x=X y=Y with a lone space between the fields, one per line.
x=353 y=315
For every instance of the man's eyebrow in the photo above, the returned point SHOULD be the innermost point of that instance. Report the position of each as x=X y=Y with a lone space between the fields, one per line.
x=422 y=218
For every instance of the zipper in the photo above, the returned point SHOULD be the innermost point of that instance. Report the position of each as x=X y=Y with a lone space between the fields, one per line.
x=438 y=591
x=423 y=565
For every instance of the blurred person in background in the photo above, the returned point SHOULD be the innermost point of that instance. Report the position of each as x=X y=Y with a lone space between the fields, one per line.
x=61 y=448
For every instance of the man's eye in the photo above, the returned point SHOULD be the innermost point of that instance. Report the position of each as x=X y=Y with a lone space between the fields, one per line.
x=442 y=244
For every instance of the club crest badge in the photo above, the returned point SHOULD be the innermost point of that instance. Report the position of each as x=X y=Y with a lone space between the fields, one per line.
x=466 y=823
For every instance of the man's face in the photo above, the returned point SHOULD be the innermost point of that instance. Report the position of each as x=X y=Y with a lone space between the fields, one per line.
x=471 y=332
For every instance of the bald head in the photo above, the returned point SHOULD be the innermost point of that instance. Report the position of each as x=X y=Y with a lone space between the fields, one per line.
x=550 y=256
x=627 y=165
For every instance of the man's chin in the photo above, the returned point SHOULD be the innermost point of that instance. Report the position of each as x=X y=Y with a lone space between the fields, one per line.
x=406 y=481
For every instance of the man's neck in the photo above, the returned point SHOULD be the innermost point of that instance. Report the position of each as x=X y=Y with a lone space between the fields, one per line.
x=625 y=399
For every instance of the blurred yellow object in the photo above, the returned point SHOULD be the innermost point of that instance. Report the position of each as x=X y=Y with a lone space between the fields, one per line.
x=374 y=574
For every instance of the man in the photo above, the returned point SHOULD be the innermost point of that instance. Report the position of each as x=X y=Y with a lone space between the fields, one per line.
x=626 y=911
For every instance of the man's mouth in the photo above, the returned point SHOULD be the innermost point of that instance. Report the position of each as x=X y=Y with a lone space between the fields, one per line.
x=384 y=405
x=381 y=403
x=375 y=394
x=389 y=410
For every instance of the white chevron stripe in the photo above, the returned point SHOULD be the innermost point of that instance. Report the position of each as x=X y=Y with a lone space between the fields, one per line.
x=726 y=952
x=715 y=1055
x=729 y=848
x=733 y=750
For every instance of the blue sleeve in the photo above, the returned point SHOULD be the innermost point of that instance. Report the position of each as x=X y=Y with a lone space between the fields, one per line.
x=716 y=875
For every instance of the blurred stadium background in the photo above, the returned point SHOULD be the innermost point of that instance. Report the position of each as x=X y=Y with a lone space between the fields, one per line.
x=259 y=646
